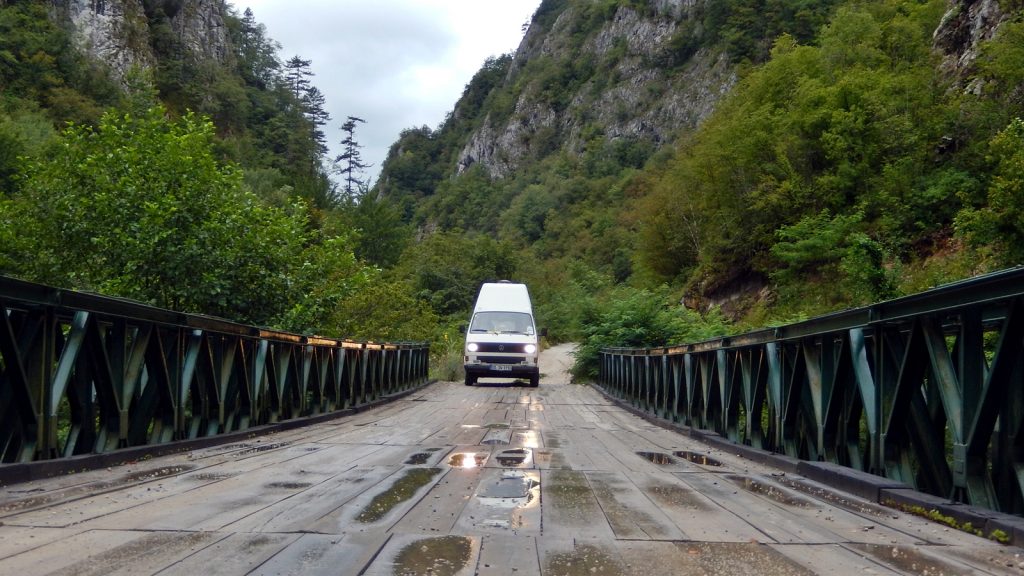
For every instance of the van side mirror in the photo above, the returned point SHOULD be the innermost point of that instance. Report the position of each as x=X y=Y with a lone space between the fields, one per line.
x=543 y=332
x=462 y=328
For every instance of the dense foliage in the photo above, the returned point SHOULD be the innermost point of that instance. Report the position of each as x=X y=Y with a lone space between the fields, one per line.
x=140 y=207
x=197 y=185
x=845 y=166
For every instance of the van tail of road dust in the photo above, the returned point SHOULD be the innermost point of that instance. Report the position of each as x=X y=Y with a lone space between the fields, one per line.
x=501 y=339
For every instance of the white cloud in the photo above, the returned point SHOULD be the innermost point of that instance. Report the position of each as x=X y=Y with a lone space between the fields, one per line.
x=395 y=63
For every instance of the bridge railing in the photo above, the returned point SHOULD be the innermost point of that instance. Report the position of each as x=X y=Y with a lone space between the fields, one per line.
x=86 y=374
x=927 y=389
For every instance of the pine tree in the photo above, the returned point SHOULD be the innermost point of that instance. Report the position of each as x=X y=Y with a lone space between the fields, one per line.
x=350 y=162
x=257 y=54
x=315 y=104
x=297 y=75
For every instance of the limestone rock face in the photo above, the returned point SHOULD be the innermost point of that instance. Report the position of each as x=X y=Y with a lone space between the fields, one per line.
x=630 y=94
x=118 y=32
x=965 y=25
x=114 y=32
x=200 y=26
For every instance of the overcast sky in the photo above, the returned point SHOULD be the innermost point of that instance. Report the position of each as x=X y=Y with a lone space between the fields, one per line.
x=395 y=63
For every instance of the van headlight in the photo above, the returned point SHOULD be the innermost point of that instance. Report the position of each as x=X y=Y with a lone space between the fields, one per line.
x=472 y=347
x=530 y=348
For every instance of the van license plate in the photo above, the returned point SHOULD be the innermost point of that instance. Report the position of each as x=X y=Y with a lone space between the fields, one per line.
x=501 y=368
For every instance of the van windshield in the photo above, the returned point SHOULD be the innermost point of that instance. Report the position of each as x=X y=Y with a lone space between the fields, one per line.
x=502 y=323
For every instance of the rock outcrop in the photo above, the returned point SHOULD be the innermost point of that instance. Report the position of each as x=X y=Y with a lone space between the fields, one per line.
x=965 y=25
x=627 y=91
x=119 y=34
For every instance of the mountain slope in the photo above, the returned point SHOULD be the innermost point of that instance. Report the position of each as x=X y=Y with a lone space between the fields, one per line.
x=705 y=143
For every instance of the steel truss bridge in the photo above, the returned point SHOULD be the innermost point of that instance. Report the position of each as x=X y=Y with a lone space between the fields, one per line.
x=136 y=440
x=926 y=390
x=87 y=374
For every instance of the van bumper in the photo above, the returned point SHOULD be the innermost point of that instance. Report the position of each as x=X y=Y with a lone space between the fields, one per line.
x=501 y=370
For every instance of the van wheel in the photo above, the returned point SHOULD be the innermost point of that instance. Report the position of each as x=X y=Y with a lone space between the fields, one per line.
x=535 y=381
x=470 y=380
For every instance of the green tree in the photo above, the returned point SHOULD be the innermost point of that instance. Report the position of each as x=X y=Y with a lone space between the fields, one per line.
x=638 y=318
x=384 y=309
x=999 y=224
x=141 y=207
x=834 y=256
x=349 y=163
x=447 y=268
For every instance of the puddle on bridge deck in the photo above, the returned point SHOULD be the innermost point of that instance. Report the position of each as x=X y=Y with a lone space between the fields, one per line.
x=775 y=493
x=657 y=458
x=494 y=441
x=512 y=485
x=504 y=499
x=402 y=489
x=418 y=458
x=697 y=458
x=443 y=556
x=677 y=496
x=468 y=460
x=514 y=458
x=906 y=559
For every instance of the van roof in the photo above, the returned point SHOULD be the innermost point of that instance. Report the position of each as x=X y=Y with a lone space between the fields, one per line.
x=503 y=296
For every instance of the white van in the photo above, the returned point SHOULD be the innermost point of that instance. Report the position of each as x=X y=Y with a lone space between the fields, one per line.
x=501 y=339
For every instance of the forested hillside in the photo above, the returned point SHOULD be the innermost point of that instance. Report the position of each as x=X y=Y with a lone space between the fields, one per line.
x=862 y=150
x=655 y=170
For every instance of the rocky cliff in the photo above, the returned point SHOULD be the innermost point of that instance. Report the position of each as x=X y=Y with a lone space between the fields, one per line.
x=628 y=81
x=621 y=79
x=964 y=27
x=120 y=33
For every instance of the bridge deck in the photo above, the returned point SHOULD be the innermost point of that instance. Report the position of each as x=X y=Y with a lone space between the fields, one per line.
x=456 y=480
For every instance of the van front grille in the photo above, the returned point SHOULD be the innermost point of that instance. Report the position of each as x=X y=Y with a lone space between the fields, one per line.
x=501 y=359
x=500 y=347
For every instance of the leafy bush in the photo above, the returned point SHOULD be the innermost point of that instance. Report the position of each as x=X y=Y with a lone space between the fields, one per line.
x=999 y=223
x=446 y=269
x=639 y=318
x=141 y=207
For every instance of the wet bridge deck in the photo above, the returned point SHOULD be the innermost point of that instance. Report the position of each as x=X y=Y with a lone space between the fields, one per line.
x=456 y=480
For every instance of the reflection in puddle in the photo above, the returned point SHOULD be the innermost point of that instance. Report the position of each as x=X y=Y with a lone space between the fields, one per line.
x=657 y=457
x=512 y=486
x=467 y=460
x=514 y=457
x=506 y=500
x=494 y=441
x=698 y=458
